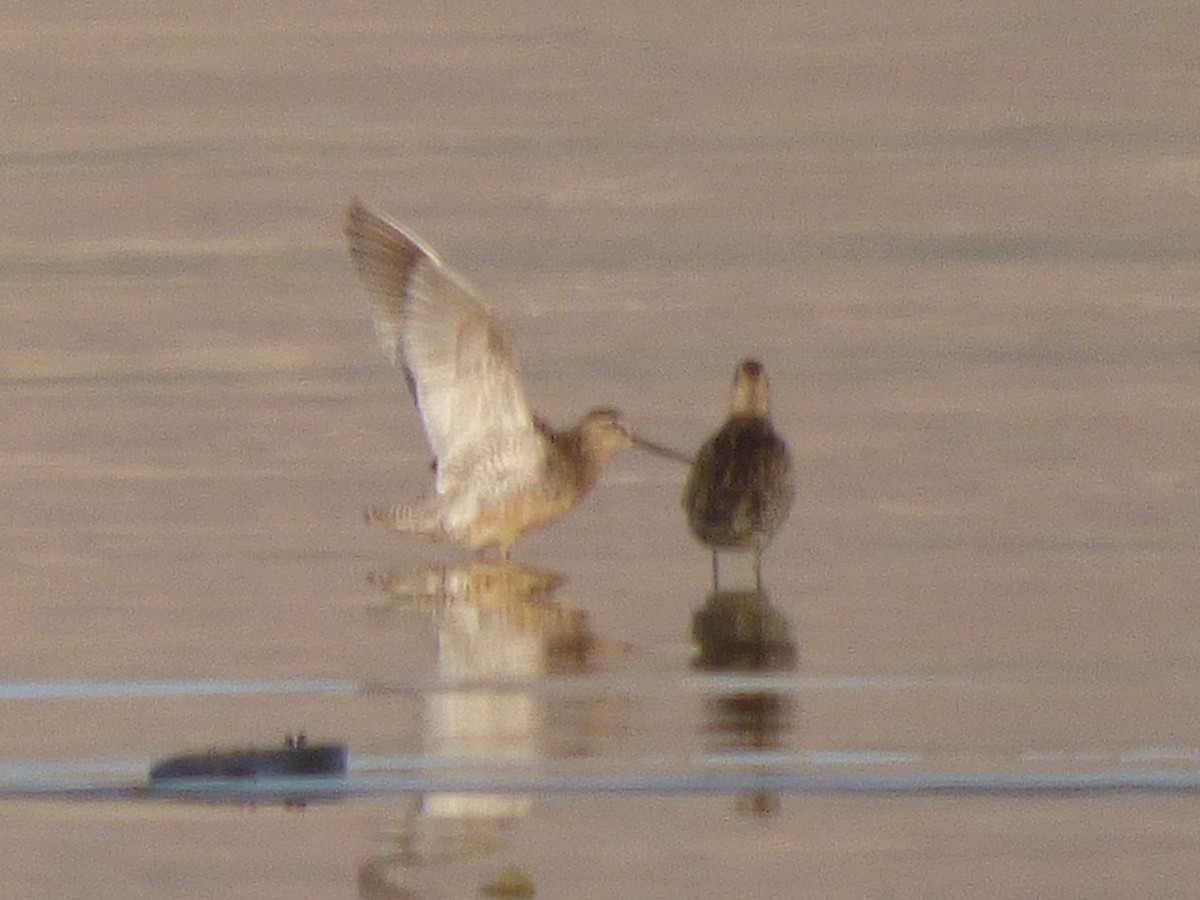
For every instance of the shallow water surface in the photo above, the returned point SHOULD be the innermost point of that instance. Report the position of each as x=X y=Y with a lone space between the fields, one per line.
x=963 y=242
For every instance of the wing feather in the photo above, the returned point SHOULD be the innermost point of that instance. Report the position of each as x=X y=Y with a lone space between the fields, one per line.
x=457 y=361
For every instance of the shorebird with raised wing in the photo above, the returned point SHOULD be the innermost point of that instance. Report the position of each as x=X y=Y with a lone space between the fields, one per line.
x=499 y=470
x=739 y=490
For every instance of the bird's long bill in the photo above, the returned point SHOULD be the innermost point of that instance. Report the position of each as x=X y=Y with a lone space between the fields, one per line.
x=660 y=450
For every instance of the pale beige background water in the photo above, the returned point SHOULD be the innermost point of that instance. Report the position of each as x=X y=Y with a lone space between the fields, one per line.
x=965 y=239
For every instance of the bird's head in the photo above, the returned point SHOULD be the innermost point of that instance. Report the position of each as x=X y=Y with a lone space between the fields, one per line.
x=750 y=390
x=603 y=432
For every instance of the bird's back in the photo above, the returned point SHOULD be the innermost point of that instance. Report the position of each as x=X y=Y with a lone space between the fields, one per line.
x=739 y=489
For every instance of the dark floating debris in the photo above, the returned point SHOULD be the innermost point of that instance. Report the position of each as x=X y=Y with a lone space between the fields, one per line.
x=297 y=758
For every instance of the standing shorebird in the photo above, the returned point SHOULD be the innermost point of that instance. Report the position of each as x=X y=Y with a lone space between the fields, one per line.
x=739 y=489
x=499 y=470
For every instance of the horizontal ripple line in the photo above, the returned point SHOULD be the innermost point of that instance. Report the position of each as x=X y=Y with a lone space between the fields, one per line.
x=335 y=789
x=206 y=687
x=105 y=690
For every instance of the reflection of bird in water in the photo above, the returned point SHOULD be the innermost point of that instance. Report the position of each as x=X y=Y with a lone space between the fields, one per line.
x=739 y=488
x=740 y=631
x=500 y=634
x=500 y=471
x=497 y=620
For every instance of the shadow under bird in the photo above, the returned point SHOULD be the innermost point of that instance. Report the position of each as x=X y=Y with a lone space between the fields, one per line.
x=499 y=470
x=739 y=489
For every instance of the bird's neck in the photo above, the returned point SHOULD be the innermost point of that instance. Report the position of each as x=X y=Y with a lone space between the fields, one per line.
x=749 y=400
x=578 y=460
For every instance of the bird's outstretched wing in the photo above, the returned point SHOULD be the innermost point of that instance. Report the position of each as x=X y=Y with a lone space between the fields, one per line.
x=458 y=363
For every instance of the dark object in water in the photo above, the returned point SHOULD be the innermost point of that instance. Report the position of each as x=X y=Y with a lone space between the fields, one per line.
x=297 y=758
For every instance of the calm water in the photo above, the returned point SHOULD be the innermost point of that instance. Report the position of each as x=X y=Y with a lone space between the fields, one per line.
x=965 y=240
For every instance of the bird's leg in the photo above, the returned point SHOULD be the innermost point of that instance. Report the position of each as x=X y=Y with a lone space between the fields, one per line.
x=716 y=577
x=757 y=569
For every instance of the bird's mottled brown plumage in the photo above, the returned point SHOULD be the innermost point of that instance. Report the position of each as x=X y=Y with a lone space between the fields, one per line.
x=739 y=489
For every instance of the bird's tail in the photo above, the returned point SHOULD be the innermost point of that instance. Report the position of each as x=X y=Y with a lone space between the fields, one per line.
x=406 y=519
